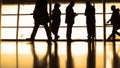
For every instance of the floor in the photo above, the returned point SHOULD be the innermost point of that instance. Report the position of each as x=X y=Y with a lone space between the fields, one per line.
x=59 y=54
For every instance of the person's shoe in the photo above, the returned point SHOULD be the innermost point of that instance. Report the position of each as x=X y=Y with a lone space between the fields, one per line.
x=29 y=39
x=56 y=38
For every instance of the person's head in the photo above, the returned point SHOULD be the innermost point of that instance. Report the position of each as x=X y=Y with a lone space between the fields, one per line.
x=57 y=5
x=113 y=7
x=72 y=3
x=88 y=3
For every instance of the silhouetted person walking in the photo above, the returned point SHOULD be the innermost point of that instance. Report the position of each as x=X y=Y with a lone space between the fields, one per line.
x=41 y=17
x=56 y=19
x=70 y=15
x=115 y=20
x=90 y=20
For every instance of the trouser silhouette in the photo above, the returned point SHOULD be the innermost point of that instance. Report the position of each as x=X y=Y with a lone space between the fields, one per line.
x=69 y=31
x=36 y=26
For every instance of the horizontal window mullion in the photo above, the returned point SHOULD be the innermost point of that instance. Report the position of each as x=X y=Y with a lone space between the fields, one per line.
x=43 y=27
x=32 y=14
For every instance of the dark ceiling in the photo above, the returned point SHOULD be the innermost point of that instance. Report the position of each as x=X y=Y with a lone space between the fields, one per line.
x=62 y=1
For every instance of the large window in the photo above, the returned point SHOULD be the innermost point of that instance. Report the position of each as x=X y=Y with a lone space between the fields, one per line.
x=24 y=19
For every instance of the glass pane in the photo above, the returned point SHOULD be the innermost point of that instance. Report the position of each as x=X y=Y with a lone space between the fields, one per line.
x=9 y=9
x=26 y=9
x=9 y=20
x=79 y=33
x=98 y=7
x=63 y=21
x=8 y=33
x=26 y=20
x=99 y=19
x=80 y=20
x=79 y=7
x=99 y=32
x=24 y=33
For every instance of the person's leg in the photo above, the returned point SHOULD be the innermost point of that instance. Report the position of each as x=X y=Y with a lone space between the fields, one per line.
x=54 y=30
x=34 y=31
x=48 y=32
x=69 y=31
x=56 y=33
x=93 y=31
x=89 y=32
x=114 y=31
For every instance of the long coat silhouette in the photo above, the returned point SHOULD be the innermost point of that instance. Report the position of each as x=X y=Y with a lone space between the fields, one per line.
x=41 y=17
x=90 y=20
x=40 y=13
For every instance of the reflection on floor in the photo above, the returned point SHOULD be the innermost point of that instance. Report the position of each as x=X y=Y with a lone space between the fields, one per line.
x=60 y=54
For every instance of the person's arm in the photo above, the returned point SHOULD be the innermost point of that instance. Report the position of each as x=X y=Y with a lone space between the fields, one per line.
x=108 y=21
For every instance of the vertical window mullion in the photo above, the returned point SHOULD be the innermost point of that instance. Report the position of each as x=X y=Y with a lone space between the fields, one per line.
x=17 y=30
x=104 y=32
x=18 y=15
